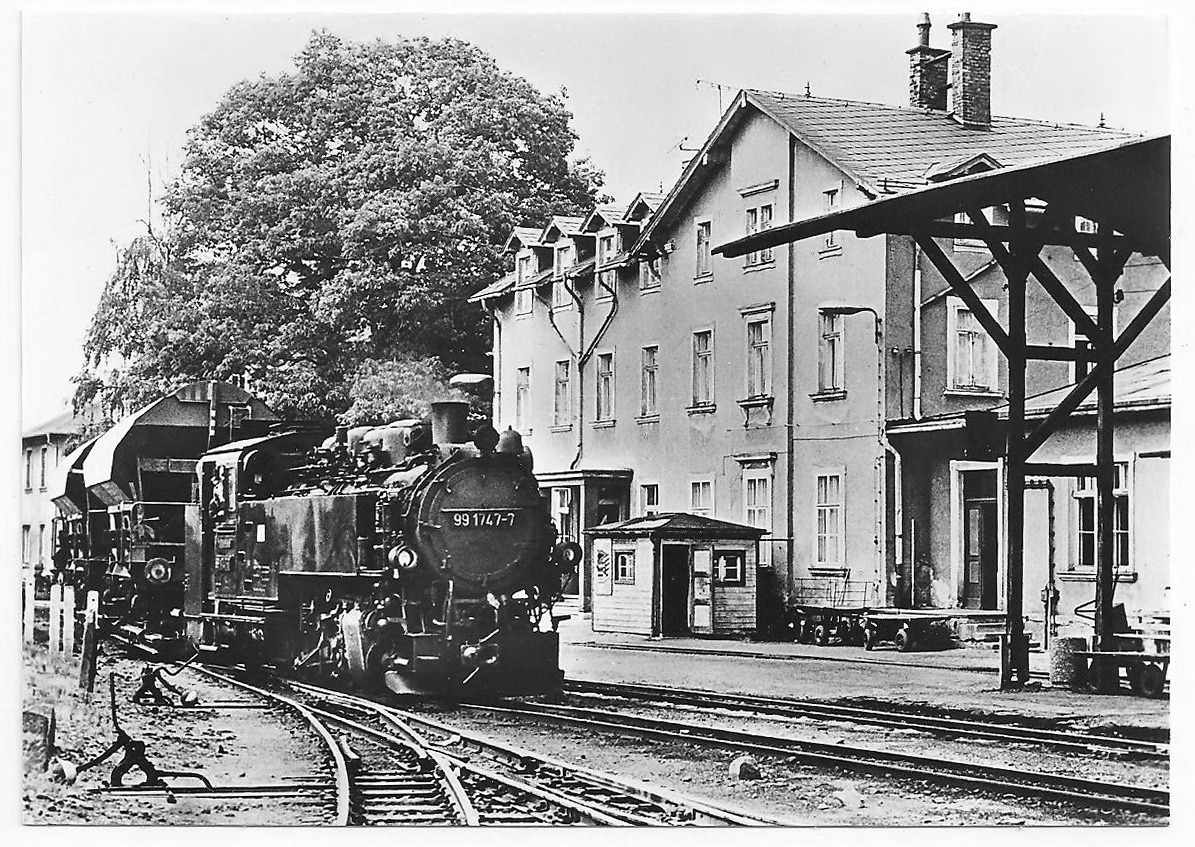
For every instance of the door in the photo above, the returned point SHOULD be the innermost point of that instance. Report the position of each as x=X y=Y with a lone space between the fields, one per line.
x=675 y=580
x=980 y=540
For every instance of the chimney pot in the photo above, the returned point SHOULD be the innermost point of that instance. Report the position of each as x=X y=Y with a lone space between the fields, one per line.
x=971 y=71
x=928 y=71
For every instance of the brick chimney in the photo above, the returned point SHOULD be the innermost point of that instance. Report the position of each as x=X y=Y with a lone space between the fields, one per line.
x=927 y=71
x=971 y=72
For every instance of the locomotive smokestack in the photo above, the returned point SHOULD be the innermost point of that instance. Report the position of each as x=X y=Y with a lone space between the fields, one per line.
x=448 y=422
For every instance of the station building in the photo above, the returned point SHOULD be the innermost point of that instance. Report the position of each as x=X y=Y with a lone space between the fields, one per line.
x=43 y=448
x=649 y=375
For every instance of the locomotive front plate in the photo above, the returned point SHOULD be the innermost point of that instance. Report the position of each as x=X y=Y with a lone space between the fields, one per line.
x=482 y=518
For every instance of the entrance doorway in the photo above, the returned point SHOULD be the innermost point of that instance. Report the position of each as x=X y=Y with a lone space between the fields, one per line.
x=981 y=534
x=675 y=580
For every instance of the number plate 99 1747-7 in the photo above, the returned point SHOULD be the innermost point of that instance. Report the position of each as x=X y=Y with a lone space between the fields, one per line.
x=481 y=518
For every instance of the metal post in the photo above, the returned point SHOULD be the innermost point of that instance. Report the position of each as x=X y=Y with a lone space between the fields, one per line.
x=1014 y=667
x=1105 y=469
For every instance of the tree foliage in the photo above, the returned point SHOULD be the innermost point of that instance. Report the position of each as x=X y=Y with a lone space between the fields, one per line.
x=328 y=225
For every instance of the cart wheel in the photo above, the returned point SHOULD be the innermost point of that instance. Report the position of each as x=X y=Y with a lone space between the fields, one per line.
x=1103 y=676
x=821 y=635
x=869 y=638
x=1152 y=680
x=904 y=639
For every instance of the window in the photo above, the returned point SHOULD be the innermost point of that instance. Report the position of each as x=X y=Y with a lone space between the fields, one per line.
x=649 y=276
x=701 y=497
x=1081 y=342
x=564 y=260
x=522 y=292
x=607 y=248
x=605 y=386
x=29 y=470
x=561 y=399
x=703 y=367
x=704 y=268
x=41 y=544
x=728 y=567
x=830 y=204
x=44 y=451
x=759 y=218
x=1084 y=494
x=25 y=543
x=522 y=397
x=1086 y=225
x=757 y=508
x=647 y=381
x=829 y=547
x=624 y=567
x=649 y=499
x=759 y=358
x=560 y=296
x=830 y=359
x=971 y=360
x=995 y=215
x=563 y=509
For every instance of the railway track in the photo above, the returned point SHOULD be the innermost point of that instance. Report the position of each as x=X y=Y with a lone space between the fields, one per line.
x=1016 y=733
x=509 y=777
x=976 y=776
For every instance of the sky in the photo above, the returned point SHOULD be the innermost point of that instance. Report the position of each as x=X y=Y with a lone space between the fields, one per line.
x=105 y=101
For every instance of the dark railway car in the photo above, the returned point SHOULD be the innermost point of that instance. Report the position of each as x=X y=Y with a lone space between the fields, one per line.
x=122 y=497
x=404 y=553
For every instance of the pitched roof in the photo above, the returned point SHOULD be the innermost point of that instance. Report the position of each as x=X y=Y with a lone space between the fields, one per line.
x=526 y=235
x=882 y=148
x=567 y=224
x=494 y=289
x=678 y=524
x=899 y=144
x=607 y=214
x=1139 y=384
x=63 y=424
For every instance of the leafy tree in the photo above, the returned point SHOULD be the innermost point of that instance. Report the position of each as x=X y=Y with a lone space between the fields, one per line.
x=328 y=225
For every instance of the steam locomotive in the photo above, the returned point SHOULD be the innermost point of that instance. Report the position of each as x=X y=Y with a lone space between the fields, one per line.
x=417 y=555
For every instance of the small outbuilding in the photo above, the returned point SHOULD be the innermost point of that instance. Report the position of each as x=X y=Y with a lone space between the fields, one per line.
x=675 y=574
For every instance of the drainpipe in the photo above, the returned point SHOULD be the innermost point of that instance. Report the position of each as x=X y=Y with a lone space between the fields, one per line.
x=584 y=357
x=496 y=411
x=916 y=331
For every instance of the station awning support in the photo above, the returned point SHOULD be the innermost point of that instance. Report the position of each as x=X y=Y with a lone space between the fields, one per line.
x=1126 y=190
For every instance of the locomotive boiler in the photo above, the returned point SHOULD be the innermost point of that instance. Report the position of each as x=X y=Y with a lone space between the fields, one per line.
x=412 y=554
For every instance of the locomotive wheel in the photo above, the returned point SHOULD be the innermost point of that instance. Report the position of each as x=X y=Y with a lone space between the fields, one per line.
x=904 y=639
x=821 y=635
x=1152 y=680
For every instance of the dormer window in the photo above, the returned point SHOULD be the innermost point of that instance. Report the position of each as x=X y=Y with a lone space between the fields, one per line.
x=607 y=248
x=564 y=259
x=522 y=292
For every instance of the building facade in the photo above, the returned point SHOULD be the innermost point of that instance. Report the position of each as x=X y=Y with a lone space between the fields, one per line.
x=650 y=375
x=43 y=449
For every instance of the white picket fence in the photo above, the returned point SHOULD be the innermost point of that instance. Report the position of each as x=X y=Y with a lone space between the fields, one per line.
x=62 y=615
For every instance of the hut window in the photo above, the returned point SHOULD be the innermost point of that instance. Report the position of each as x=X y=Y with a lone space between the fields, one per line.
x=728 y=567
x=624 y=567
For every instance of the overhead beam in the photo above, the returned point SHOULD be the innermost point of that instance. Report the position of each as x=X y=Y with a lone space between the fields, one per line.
x=955 y=229
x=1041 y=272
x=964 y=290
x=1056 y=469
x=1046 y=353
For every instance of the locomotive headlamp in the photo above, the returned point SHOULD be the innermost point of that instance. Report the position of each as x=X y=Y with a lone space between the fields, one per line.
x=403 y=557
x=567 y=554
x=157 y=571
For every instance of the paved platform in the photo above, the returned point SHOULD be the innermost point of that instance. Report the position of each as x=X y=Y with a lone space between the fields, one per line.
x=961 y=678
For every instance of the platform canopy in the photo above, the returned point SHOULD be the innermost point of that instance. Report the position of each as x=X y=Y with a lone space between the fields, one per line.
x=1124 y=190
x=677 y=525
x=1126 y=186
